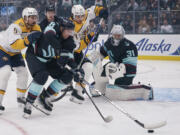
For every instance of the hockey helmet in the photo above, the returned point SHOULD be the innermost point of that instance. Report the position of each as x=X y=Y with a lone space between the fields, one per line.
x=78 y=10
x=28 y=11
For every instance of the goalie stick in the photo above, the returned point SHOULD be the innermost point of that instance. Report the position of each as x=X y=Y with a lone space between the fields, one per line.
x=143 y=125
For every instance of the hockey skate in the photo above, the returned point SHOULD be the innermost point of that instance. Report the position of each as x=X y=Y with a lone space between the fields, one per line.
x=21 y=101
x=77 y=96
x=2 y=109
x=45 y=101
x=93 y=92
x=27 y=110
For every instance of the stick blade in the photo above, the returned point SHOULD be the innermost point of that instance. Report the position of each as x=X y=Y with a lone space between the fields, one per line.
x=156 y=125
x=108 y=119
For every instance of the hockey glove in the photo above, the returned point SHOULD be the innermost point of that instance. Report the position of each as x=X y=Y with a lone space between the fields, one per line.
x=79 y=75
x=90 y=36
x=33 y=37
x=65 y=58
x=103 y=14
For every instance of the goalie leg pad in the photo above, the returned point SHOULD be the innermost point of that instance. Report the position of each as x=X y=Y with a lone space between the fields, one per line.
x=129 y=92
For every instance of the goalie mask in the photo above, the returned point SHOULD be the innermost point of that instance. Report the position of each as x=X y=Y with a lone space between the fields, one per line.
x=117 y=33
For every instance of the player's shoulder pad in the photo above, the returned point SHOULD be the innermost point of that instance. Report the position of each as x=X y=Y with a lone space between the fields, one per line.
x=20 y=23
x=14 y=29
x=129 y=42
x=36 y=27
x=69 y=44
x=50 y=28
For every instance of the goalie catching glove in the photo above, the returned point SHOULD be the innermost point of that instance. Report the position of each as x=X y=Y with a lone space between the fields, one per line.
x=114 y=71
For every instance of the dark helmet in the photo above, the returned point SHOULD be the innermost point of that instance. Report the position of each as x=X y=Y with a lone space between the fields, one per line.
x=66 y=23
x=50 y=8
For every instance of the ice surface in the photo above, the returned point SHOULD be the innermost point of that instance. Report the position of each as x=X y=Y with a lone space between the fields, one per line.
x=68 y=118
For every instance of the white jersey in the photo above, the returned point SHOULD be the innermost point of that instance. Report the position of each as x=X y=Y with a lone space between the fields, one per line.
x=9 y=36
x=81 y=29
x=13 y=37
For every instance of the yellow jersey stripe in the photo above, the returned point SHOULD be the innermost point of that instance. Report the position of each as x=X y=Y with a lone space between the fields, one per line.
x=2 y=92
x=21 y=90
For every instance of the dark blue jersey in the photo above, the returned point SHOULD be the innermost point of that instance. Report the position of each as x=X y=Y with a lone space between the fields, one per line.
x=125 y=52
x=51 y=44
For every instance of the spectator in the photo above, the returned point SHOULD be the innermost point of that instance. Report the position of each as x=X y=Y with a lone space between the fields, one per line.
x=166 y=28
x=152 y=5
x=150 y=20
x=88 y=3
x=143 y=27
x=91 y=27
x=133 y=5
x=143 y=5
x=77 y=2
x=67 y=3
x=98 y=2
x=3 y=25
x=64 y=11
x=118 y=20
x=128 y=24
x=103 y=28
x=154 y=28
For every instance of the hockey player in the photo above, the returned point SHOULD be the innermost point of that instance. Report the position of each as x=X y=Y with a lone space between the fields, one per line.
x=12 y=41
x=50 y=17
x=48 y=57
x=121 y=68
x=81 y=19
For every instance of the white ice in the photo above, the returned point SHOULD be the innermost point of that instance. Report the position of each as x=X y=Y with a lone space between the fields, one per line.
x=69 y=118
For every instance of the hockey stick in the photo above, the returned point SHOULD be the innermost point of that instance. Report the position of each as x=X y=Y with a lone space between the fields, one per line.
x=64 y=91
x=98 y=26
x=143 y=125
x=106 y=119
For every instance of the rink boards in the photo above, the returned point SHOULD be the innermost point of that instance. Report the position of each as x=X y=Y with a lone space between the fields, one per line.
x=152 y=47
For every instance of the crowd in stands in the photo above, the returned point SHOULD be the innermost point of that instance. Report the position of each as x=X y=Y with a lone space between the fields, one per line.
x=137 y=16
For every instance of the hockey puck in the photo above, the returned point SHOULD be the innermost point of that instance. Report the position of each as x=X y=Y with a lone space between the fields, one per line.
x=150 y=131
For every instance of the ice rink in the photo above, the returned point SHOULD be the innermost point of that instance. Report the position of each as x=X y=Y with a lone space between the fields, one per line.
x=69 y=118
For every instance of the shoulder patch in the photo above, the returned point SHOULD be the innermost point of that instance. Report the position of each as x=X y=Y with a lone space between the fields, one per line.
x=15 y=31
x=21 y=24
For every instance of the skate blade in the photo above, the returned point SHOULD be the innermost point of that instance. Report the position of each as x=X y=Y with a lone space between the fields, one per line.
x=75 y=100
x=37 y=105
x=26 y=116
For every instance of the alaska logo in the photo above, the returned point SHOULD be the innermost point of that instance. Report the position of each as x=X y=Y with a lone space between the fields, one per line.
x=145 y=45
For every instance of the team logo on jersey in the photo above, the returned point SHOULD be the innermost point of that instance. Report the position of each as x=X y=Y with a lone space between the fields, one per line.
x=49 y=53
x=5 y=58
x=21 y=24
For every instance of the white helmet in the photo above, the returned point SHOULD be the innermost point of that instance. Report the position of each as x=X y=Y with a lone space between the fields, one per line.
x=78 y=10
x=28 y=11
x=119 y=30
